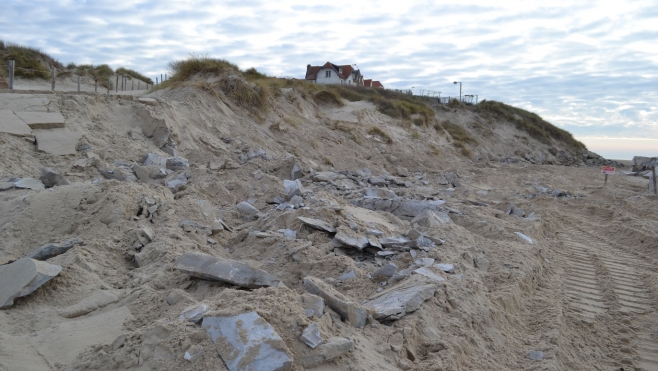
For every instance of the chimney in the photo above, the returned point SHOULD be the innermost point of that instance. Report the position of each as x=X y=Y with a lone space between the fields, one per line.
x=308 y=69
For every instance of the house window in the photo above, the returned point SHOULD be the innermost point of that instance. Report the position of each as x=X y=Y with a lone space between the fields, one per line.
x=327 y=73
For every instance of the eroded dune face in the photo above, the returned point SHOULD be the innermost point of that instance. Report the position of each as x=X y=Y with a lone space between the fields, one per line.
x=387 y=248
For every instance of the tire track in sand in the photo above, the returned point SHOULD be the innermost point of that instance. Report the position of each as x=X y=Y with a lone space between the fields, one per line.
x=632 y=298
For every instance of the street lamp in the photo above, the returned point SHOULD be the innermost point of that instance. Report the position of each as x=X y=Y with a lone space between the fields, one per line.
x=460 y=89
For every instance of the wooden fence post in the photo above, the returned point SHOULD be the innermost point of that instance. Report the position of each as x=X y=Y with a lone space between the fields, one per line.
x=133 y=85
x=116 y=88
x=156 y=81
x=161 y=80
x=109 y=82
x=95 y=86
x=54 y=75
x=138 y=84
x=78 y=83
x=653 y=172
x=11 y=74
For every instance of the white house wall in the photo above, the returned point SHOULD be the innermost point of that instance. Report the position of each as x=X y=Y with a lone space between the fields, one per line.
x=321 y=79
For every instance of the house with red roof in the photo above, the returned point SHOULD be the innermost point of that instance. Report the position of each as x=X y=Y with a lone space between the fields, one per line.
x=369 y=83
x=330 y=73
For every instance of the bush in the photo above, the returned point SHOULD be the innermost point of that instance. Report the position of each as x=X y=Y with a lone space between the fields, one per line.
x=458 y=133
x=70 y=66
x=134 y=74
x=252 y=74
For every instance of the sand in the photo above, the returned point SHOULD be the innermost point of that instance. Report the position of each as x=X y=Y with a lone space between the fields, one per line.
x=584 y=293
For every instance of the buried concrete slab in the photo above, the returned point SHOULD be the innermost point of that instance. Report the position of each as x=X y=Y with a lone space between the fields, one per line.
x=23 y=277
x=42 y=120
x=397 y=301
x=57 y=141
x=237 y=273
x=12 y=124
x=247 y=342
x=347 y=309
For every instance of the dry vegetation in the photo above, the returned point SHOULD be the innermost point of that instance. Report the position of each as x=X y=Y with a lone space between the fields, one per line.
x=459 y=136
x=529 y=122
x=134 y=74
x=377 y=131
x=31 y=63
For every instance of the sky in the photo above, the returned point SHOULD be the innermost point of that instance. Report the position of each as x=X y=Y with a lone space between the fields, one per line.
x=587 y=66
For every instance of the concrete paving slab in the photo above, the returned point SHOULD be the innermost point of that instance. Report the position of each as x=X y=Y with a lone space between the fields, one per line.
x=12 y=124
x=57 y=141
x=42 y=120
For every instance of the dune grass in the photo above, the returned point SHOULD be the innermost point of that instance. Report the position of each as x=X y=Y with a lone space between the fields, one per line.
x=30 y=62
x=328 y=97
x=134 y=74
x=529 y=122
x=101 y=73
x=377 y=131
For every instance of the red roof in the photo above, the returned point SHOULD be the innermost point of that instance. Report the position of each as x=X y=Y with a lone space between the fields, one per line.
x=377 y=84
x=367 y=83
x=312 y=71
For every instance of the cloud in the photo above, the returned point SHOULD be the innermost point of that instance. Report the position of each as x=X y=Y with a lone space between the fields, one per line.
x=589 y=67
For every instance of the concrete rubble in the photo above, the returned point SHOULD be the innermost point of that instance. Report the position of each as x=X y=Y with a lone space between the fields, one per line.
x=247 y=209
x=225 y=270
x=311 y=335
x=51 y=250
x=317 y=224
x=51 y=177
x=347 y=309
x=247 y=342
x=395 y=302
x=330 y=350
x=23 y=277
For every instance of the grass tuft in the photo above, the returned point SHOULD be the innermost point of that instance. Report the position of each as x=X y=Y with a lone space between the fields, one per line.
x=134 y=75
x=377 y=131
x=328 y=97
x=185 y=69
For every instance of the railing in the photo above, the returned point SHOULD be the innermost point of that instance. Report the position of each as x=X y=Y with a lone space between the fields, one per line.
x=121 y=83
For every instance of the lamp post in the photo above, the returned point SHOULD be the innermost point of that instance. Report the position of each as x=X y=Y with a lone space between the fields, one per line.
x=460 y=89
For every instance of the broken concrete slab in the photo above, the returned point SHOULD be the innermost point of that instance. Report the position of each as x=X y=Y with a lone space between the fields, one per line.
x=5 y=186
x=42 y=120
x=245 y=208
x=29 y=183
x=380 y=193
x=57 y=141
x=51 y=177
x=387 y=271
x=247 y=342
x=332 y=349
x=427 y=272
x=177 y=163
x=395 y=242
x=317 y=224
x=148 y=101
x=193 y=313
x=23 y=277
x=394 y=303
x=292 y=188
x=311 y=335
x=448 y=268
x=313 y=305
x=399 y=207
x=225 y=270
x=51 y=250
x=12 y=124
x=98 y=299
x=325 y=176
x=347 y=240
x=431 y=219
x=347 y=309
x=155 y=159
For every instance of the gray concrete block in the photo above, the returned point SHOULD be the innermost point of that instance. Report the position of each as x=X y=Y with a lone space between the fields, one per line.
x=42 y=120
x=225 y=270
x=155 y=159
x=387 y=271
x=332 y=349
x=311 y=335
x=317 y=224
x=51 y=177
x=313 y=305
x=57 y=141
x=29 y=183
x=397 y=301
x=12 y=124
x=347 y=309
x=247 y=342
x=247 y=209
x=22 y=277
x=51 y=250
